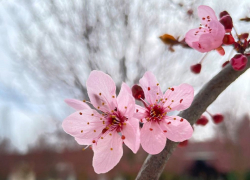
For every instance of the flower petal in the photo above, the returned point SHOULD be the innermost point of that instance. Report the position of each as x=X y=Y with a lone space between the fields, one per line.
x=206 y=13
x=213 y=40
x=179 y=97
x=153 y=140
x=140 y=113
x=101 y=90
x=150 y=87
x=84 y=124
x=131 y=132
x=107 y=153
x=125 y=101
x=176 y=128
x=76 y=104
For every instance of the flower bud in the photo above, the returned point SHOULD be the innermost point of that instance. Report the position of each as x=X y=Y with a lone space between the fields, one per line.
x=227 y=22
x=202 y=121
x=228 y=39
x=183 y=143
x=225 y=63
x=196 y=69
x=239 y=62
x=137 y=92
x=218 y=118
x=223 y=13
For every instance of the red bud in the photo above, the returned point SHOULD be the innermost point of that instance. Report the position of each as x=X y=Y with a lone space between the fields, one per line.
x=202 y=121
x=137 y=92
x=223 y=13
x=239 y=62
x=183 y=143
x=227 y=22
x=228 y=39
x=196 y=69
x=225 y=63
x=218 y=118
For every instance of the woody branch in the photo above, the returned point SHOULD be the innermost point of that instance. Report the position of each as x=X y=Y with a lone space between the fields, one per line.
x=154 y=164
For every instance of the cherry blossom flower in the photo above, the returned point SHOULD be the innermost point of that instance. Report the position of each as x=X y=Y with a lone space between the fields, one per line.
x=209 y=35
x=108 y=130
x=158 y=126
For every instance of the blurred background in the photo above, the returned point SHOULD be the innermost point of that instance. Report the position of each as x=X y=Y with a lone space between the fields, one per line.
x=48 y=48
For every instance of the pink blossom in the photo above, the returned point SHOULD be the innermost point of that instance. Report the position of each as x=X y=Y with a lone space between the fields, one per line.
x=209 y=35
x=158 y=126
x=108 y=130
x=76 y=104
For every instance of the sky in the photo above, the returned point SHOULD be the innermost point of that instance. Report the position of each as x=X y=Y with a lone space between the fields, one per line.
x=43 y=42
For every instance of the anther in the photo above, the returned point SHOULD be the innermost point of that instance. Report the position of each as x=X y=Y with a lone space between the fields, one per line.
x=110 y=134
x=81 y=131
x=150 y=129
x=169 y=122
x=88 y=123
x=174 y=118
x=125 y=107
x=93 y=141
x=111 y=149
x=92 y=114
x=123 y=137
x=172 y=89
x=101 y=137
x=80 y=113
x=157 y=84
x=172 y=100
x=203 y=18
x=84 y=101
x=100 y=94
x=94 y=130
x=137 y=110
x=124 y=123
x=181 y=120
x=149 y=88
x=165 y=131
x=181 y=100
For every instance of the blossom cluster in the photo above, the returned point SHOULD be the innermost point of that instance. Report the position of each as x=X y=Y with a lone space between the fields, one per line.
x=115 y=120
x=214 y=33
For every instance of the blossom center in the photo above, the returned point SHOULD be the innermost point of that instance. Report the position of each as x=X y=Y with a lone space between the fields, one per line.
x=114 y=122
x=155 y=113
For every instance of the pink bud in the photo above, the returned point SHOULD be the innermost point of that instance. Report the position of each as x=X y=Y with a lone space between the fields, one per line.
x=239 y=62
x=137 y=92
x=196 y=69
x=183 y=143
x=202 y=121
x=227 y=22
x=223 y=13
x=228 y=39
x=218 y=118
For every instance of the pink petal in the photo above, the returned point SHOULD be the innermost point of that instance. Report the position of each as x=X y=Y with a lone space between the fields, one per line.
x=101 y=89
x=179 y=98
x=192 y=38
x=84 y=141
x=107 y=153
x=213 y=40
x=84 y=126
x=131 y=133
x=140 y=113
x=150 y=87
x=206 y=13
x=153 y=140
x=76 y=104
x=125 y=101
x=176 y=128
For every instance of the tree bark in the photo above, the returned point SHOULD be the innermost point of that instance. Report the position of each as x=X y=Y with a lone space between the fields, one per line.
x=154 y=164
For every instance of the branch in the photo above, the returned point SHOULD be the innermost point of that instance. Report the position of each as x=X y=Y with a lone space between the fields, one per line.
x=154 y=164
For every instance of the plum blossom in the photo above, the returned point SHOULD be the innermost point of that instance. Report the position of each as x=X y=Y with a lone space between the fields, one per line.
x=108 y=126
x=209 y=35
x=158 y=126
